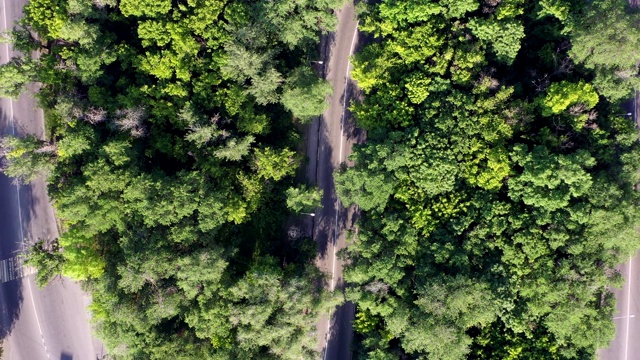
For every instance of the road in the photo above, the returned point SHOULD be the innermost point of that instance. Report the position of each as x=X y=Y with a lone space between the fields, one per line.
x=35 y=324
x=330 y=139
x=625 y=345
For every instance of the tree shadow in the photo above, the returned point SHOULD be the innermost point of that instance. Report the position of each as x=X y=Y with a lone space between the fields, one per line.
x=27 y=191
x=339 y=345
x=351 y=130
x=324 y=219
x=11 y=299
x=11 y=222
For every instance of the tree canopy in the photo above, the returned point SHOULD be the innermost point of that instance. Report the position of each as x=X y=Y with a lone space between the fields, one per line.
x=497 y=184
x=169 y=151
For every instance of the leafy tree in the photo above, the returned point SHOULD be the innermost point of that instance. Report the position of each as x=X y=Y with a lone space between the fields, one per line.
x=151 y=8
x=235 y=149
x=27 y=158
x=564 y=94
x=273 y=164
x=305 y=94
x=81 y=257
x=303 y=198
x=15 y=74
x=47 y=17
x=484 y=230
x=47 y=259
x=168 y=156
x=604 y=34
x=504 y=37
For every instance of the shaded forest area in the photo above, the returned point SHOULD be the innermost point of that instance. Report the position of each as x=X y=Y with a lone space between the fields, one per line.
x=169 y=154
x=497 y=182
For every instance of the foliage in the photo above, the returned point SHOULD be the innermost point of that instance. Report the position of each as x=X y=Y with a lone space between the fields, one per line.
x=561 y=95
x=168 y=158
x=303 y=198
x=15 y=75
x=27 y=158
x=604 y=39
x=497 y=187
x=305 y=95
x=47 y=259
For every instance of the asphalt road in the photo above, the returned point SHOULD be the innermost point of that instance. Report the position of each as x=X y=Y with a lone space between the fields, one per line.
x=625 y=345
x=35 y=324
x=330 y=139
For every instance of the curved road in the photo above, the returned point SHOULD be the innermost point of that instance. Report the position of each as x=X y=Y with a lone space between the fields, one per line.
x=35 y=324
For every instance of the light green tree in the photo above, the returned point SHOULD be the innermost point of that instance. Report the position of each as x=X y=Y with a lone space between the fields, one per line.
x=303 y=198
x=235 y=149
x=503 y=37
x=305 y=94
x=15 y=75
x=274 y=164
x=27 y=158
x=150 y=8
x=563 y=94
x=81 y=257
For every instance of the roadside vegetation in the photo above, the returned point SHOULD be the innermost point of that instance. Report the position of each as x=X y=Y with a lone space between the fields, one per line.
x=497 y=182
x=169 y=152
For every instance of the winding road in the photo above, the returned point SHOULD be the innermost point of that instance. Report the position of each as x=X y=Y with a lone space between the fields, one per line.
x=35 y=324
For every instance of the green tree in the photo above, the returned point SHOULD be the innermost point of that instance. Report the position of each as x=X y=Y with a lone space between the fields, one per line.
x=564 y=94
x=27 y=158
x=305 y=94
x=81 y=256
x=603 y=38
x=47 y=17
x=151 y=8
x=47 y=259
x=303 y=198
x=503 y=36
x=274 y=164
x=15 y=74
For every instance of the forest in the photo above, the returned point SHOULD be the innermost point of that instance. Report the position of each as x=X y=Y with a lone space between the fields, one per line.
x=498 y=182
x=496 y=188
x=171 y=145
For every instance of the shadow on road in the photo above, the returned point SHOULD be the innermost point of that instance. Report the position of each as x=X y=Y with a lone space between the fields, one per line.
x=325 y=219
x=11 y=295
x=66 y=356
x=351 y=131
x=28 y=194
x=339 y=345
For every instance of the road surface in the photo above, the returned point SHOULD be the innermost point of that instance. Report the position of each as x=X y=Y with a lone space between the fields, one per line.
x=330 y=139
x=35 y=324
x=625 y=345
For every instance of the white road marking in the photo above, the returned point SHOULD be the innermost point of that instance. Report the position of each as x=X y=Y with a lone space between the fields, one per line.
x=13 y=268
x=623 y=317
x=626 y=336
x=13 y=132
x=337 y=206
